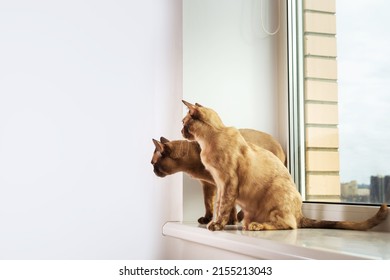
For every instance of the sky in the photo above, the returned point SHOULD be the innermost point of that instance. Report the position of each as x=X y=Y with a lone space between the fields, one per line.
x=363 y=55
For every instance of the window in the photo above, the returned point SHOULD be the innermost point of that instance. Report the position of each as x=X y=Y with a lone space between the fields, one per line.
x=340 y=100
x=234 y=61
x=228 y=59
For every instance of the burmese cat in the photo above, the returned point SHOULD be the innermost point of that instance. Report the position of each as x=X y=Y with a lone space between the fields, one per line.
x=253 y=178
x=170 y=157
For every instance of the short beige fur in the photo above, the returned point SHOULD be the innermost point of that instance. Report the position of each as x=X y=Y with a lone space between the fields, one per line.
x=170 y=157
x=253 y=178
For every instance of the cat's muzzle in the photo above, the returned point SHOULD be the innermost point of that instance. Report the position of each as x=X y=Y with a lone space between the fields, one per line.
x=158 y=171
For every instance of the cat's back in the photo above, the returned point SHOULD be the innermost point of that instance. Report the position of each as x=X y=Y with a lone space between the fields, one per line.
x=265 y=141
x=234 y=145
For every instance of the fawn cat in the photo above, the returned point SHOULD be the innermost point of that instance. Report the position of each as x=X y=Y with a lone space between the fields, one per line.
x=170 y=157
x=253 y=178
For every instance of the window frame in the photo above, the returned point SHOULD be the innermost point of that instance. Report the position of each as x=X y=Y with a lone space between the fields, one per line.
x=296 y=149
x=296 y=127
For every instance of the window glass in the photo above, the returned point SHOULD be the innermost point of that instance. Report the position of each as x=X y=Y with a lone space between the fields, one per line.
x=346 y=84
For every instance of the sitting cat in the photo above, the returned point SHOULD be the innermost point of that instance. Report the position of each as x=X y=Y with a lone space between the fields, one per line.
x=253 y=178
x=170 y=157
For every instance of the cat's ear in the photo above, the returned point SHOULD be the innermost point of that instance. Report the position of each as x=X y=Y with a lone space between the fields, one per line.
x=188 y=104
x=164 y=140
x=198 y=105
x=159 y=145
x=192 y=108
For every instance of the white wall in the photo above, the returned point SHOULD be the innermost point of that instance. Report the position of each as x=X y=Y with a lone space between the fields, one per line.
x=231 y=64
x=84 y=86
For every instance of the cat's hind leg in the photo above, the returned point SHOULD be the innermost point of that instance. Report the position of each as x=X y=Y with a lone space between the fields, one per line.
x=254 y=226
x=278 y=221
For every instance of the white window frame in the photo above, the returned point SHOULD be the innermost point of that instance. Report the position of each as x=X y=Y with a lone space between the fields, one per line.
x=296 y=129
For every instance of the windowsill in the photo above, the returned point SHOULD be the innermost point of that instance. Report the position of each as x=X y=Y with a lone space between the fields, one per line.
x=287 y=244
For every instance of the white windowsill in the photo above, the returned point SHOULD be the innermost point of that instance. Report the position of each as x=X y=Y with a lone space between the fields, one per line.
x=287 y=244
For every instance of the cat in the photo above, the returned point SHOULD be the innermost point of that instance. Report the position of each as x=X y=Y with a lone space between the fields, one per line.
x=170 y=157
x=253 y=178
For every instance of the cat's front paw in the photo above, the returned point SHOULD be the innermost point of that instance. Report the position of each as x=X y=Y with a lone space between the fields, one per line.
x=213 y=226
x=204 y=220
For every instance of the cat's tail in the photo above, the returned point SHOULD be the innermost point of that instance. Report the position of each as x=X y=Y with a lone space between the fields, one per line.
x=379 y=217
